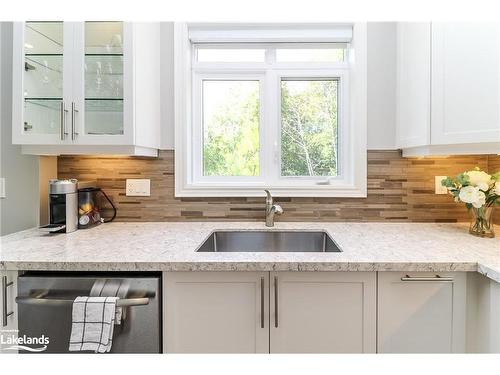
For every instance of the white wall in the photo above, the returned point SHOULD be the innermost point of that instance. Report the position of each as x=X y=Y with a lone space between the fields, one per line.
x=19 y=210
x=381 y=85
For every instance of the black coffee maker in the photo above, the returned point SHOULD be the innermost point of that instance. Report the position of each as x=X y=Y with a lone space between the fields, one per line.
x=91 y=204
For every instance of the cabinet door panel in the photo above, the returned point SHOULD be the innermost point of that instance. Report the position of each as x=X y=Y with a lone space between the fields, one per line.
x=103 y=78
x=323 y=312
x=465 y=83
x=421 y=316
x=216 y=312
x=413 y=110
x=41 y=86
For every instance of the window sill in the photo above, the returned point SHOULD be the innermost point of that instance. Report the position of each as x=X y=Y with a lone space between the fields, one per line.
x=313 y=191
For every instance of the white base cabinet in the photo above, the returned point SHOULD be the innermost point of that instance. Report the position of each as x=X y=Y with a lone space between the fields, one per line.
x=216 y=312
x=421 y=312
x=8 y=309
x=323 y=312
x=483 y=314
x=277 y=312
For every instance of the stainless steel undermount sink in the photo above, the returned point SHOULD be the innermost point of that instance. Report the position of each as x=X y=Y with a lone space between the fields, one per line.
x=269 y=241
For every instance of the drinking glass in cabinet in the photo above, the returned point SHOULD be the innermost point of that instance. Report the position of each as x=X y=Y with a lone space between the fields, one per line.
x=103 y=77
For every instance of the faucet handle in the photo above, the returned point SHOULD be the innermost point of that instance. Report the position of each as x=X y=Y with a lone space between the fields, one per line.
x=278 y=210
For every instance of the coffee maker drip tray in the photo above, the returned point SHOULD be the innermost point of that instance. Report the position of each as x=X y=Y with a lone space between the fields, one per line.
x=52 y=228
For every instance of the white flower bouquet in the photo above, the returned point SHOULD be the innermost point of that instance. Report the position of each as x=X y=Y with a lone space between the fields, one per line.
x=480 y=192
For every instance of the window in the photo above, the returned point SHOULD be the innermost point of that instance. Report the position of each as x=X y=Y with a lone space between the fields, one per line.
x=309 y=130
x=231 y=128
x=268 y=113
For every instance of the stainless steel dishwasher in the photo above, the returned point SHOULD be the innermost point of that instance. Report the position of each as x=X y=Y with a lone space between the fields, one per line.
x=45 y=302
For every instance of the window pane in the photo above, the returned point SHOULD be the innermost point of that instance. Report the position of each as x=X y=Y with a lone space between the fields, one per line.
x=231 y=55
x=231 y=112
x=309 y=131
x=310 y=55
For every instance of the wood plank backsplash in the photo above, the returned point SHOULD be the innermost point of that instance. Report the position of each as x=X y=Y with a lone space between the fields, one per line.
x=399 y=189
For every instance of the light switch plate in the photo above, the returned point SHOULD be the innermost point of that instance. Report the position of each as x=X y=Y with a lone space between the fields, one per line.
x=138 y=187
x=440 y=189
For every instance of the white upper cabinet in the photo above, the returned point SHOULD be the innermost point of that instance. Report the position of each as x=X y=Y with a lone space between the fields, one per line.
x=41 y=82
x=448 y=88
x=86 y=87
x=465 y=83
x=413 y=84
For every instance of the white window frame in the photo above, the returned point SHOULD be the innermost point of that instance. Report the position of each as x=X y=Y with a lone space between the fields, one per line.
x=189 y=179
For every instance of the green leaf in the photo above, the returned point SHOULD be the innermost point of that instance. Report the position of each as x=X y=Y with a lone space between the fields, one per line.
x=448 y=182
x=463 y=179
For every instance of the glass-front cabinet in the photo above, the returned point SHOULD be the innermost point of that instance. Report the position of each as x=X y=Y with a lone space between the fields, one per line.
x=75 y=84
x=102 y=51
x=43 y=60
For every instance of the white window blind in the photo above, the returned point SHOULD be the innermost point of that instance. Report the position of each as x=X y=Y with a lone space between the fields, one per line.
x=267 y=33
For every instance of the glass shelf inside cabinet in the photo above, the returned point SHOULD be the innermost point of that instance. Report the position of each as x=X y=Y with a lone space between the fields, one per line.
x=43 y=77
x=104 y=116
x=43 y=38
x=42 y=115
x=103 y=78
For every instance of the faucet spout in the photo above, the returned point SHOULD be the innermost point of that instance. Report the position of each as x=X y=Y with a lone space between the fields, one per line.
x=271 y=209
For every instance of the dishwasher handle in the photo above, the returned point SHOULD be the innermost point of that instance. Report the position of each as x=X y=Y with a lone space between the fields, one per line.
x=126 y=302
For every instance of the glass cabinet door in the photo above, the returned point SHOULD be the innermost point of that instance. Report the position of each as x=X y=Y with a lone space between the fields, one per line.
x=43 y=111
x=103 y=78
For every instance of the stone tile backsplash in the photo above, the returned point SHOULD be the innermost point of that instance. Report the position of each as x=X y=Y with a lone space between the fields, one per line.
x=399 y=189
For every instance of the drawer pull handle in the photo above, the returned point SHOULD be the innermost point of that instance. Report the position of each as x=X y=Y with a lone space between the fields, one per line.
x=276 y=314
x=261 y=302
x=424 y=278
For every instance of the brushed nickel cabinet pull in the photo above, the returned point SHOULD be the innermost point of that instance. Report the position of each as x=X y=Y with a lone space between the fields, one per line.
x=74 y=133
x=5 y=314
x=424 y=278
x=276 y=301
x=64 y=133
x=261 y=302
x=62 y=121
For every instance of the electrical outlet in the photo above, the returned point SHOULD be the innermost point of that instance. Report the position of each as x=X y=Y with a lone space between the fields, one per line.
x=138 y=187
x=440 y=189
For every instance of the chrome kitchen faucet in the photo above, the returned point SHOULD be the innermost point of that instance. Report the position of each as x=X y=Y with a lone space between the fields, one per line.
x=271 y=210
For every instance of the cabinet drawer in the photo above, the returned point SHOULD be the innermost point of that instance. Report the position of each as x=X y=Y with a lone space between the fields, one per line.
x=421 y=312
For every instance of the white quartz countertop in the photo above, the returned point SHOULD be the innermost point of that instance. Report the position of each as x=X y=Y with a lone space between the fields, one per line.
x=169 y=246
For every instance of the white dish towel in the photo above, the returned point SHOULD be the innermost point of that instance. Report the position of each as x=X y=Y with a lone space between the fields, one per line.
x=93 y=321
x=111 y=287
